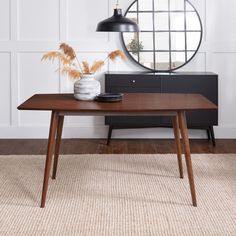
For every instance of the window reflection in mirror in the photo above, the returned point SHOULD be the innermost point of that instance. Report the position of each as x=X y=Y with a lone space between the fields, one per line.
x=145 y=21
x=170 y=33
x=162 y=61
x=192 y=21
x=146 y=41
x=177 y=21
x=162 y=41
x=176 y=5
x=192 y=40
x=177 y=41
x=178 y=59
x=146 y=59
x=162 y=21
x=145 y=5
x=131 y=41
x=161 y=5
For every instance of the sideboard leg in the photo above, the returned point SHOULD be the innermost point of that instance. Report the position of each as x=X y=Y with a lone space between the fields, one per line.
x=208 y=133
x=185 y=140
x=109 y=134
x=212 y=136
x=57 y=146
x=175 y=123
x=50 y=150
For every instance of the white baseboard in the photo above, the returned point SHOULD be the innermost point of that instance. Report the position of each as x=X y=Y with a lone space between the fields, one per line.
x=225 y=132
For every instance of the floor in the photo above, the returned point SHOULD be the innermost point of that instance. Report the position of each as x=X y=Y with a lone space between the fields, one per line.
x=152 y=205
x=130 y=195
x=98 y=146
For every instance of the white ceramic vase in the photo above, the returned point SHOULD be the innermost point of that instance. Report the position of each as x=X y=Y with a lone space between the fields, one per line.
x=87 y=88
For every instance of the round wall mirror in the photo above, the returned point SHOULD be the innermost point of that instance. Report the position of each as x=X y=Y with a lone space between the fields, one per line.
x=170 y=34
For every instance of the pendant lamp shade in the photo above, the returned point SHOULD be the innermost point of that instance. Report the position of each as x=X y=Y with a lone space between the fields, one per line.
x=117 y=23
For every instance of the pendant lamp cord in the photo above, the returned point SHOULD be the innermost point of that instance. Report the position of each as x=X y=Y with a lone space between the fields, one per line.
x=117 y=4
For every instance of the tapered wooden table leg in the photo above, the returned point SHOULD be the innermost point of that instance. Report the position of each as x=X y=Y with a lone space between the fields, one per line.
x=50 y=150
x=175 y=123
x=185 y=139
x=57 y=146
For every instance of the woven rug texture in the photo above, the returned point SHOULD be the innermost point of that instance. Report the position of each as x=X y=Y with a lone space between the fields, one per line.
x=122 y=194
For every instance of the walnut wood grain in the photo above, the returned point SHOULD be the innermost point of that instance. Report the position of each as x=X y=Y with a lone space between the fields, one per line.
x=175 y=122
x=185 y=140
x=57 y=146
x=132 y=103
x=50 y=151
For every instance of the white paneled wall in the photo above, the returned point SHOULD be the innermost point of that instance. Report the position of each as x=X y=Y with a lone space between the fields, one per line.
x=5 y=89
x=38 y=20
x=82 y=18
x=4 y=20
x=40 y=78
x=29 y=28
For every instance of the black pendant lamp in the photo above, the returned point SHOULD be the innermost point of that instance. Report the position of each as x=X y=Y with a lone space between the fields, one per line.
x=117 y=23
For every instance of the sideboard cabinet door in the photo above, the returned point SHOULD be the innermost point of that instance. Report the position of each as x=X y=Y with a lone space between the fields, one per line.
x=207 y=85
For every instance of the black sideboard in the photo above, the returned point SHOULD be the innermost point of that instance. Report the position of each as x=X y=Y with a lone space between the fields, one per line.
x=204 y=83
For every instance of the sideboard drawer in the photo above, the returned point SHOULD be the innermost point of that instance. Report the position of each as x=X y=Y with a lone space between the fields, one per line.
x=137 y=81
x=132 y=89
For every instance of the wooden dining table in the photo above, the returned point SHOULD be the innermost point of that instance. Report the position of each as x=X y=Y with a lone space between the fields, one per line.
x=133 y=104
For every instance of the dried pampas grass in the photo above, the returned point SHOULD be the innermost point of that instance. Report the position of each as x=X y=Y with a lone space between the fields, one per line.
x=71 y=64
x=72 y=73
x=97 y=65
x=86 y=67
x=118 y=53
x=68 y=51
x=51 y=56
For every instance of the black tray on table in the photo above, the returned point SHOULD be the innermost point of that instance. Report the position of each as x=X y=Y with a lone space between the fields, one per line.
x=109 y=97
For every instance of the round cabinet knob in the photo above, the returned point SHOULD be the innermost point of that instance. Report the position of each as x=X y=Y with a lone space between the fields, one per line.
x=133 y=81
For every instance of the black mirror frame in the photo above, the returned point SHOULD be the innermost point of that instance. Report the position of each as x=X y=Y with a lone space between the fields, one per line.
x=161 y=71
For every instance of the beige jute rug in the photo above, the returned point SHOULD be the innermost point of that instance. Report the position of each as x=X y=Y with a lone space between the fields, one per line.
x=118 y=195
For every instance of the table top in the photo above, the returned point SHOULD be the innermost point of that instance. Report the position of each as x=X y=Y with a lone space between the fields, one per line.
x=131 y=103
